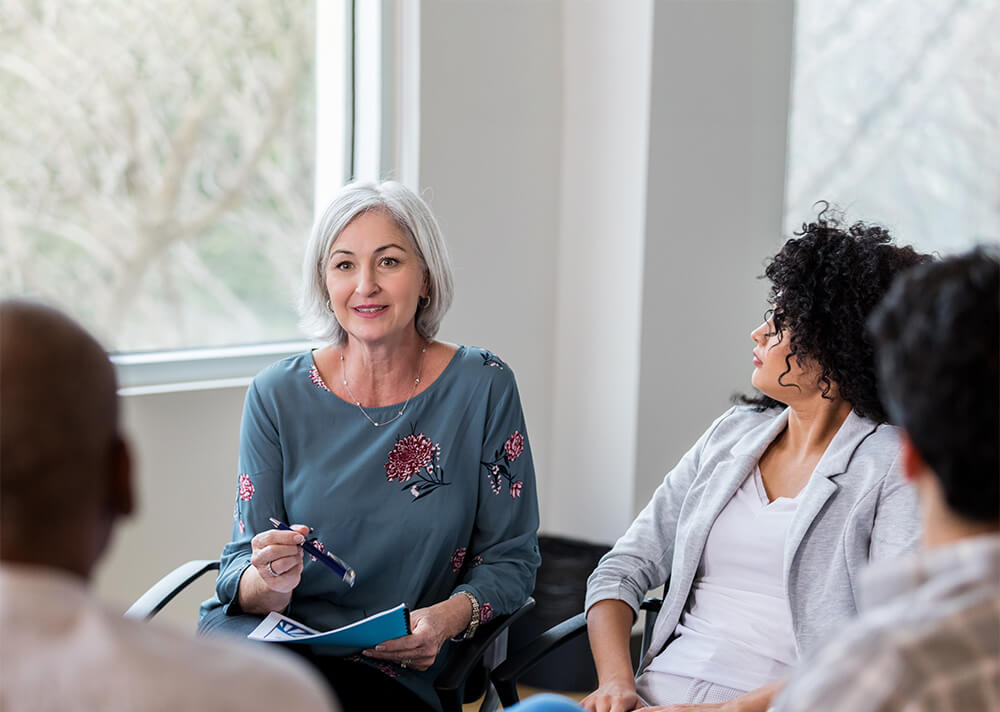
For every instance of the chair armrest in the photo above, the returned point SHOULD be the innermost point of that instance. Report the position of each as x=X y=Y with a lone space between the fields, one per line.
x=651 y=604
x=150 y=603
x=470 y=652
x=506 y=675
x=652 y=607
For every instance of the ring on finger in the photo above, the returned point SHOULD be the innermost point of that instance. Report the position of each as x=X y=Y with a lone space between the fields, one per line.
x=270 y=570
x=405 y=663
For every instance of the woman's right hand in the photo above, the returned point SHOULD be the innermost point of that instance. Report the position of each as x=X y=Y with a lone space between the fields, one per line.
x=277 y=557
x=613 y=696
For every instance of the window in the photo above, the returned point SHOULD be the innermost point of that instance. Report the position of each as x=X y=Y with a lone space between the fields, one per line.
x=160 y=161
x=893 y=117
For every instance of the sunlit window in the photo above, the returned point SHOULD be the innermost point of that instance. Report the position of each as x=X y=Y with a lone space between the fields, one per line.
x=894 y=112
x=158 y=163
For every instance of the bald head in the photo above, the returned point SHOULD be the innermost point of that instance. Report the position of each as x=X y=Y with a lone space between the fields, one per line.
x=59 y=439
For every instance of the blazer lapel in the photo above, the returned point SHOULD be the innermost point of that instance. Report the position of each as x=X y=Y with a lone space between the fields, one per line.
x=821 y=485
x=727 y=476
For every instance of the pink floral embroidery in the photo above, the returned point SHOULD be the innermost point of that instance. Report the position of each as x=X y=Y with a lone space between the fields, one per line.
x=246 y=488
x=416 y=456
x=383 y=667
x=243 y=527
x=387 y=669
x=410 y=455
x=318 y=544
x=485 y=613
x=457 y=559
x=514 y=446
x=490 y=360
x=498 y=469
x=317 y=379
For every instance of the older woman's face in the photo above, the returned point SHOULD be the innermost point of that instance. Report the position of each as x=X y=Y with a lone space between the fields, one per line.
x=770 y=361
x=375 y=278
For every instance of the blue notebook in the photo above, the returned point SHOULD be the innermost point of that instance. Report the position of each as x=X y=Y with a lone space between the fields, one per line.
x=365 y=633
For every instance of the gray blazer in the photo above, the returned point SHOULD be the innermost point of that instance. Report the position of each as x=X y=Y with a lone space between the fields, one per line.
x=855 y=508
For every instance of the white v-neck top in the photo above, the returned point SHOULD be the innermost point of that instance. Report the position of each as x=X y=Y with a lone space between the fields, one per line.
x=736 y=629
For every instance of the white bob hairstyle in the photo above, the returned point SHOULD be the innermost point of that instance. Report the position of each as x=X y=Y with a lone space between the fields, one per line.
x=412 y=216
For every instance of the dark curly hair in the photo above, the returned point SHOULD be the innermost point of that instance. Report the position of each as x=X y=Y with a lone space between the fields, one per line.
x=825 y=282
x=938 y=340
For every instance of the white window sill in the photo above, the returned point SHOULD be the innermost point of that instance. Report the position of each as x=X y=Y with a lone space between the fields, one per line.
x=197 y=369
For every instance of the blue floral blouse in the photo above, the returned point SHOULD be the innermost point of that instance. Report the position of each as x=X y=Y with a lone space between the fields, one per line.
x=440 y=500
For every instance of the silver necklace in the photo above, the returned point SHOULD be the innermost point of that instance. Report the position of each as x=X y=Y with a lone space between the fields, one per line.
x=416 y=382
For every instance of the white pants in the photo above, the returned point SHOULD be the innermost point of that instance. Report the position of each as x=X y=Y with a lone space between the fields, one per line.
x=661 y=688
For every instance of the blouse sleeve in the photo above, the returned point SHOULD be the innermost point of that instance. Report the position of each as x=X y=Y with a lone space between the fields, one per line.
x=258 y=496
x=503 y=552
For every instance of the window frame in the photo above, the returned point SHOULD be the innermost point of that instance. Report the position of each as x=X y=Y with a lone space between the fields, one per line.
x=380 y=78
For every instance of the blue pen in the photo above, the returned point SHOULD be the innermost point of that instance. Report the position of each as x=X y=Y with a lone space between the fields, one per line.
x=335 y=563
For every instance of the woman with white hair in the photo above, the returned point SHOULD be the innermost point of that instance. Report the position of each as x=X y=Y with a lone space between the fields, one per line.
x=408 y=457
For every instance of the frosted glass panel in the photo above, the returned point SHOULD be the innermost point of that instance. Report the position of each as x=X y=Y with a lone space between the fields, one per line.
x=895 y=116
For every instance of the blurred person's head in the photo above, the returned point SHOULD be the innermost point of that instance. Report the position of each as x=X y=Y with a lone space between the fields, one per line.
x=64 y=467
x=413 y=218
x=825 y=281
x=937 y=335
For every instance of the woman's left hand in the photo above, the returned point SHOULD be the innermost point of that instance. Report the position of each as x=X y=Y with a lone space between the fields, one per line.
x=417 y=650
x=431 y=627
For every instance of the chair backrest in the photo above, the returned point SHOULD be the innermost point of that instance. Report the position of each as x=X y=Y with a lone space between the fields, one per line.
x=163 y=591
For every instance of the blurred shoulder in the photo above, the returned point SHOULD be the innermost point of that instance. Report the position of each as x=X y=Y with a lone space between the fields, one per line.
x=265 y=674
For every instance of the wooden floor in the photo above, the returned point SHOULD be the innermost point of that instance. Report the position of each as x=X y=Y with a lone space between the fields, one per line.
x=524 y=691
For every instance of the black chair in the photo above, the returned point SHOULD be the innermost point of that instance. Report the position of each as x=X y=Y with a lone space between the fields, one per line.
x=506 y=675
x=464 y=680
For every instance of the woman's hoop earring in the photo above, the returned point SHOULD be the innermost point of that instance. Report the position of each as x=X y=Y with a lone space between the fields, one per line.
x=424 y=302
x=329 y=307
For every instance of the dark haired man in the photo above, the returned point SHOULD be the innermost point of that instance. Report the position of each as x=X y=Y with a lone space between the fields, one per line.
x=65 y=479
x=928 y=635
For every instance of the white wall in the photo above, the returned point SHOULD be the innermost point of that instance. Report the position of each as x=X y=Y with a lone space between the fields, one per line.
x=185 y=456
x=490 y=126
x=719 y=105
x=609 y=177
x=589 y=479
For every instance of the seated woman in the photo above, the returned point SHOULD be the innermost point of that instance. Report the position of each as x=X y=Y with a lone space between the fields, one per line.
x=764 y=524
x=407 y=457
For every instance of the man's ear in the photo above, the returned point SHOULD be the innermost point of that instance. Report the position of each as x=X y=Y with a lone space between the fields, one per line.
x=122 y=498
x=914 y=465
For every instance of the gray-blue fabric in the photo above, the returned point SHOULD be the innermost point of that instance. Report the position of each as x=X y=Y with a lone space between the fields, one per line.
x=460 y=522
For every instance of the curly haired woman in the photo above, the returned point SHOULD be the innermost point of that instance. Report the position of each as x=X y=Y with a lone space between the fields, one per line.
x=763 y=525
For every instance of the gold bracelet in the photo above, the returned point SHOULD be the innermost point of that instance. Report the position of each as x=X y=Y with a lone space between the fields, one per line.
x=474 y=621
